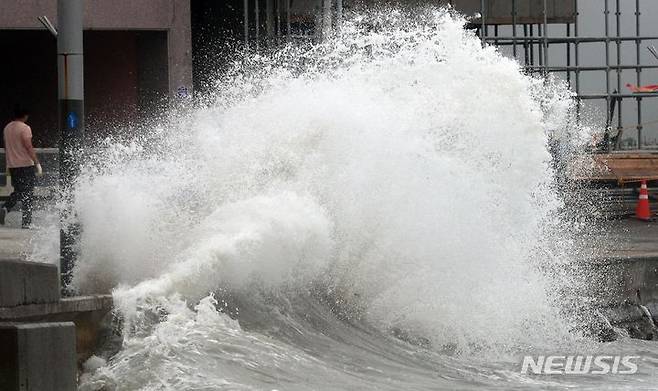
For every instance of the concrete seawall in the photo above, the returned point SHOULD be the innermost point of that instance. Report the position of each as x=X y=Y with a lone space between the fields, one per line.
x=623 y=277
x=27 y=283
x=43 y=338
x=37 y=356
x=85 y=312
x=35 y=321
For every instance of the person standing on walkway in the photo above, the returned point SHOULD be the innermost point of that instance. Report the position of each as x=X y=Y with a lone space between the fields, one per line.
x=23 y=165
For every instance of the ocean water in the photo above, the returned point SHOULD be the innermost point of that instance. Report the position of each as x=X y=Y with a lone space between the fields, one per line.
x=379 y=212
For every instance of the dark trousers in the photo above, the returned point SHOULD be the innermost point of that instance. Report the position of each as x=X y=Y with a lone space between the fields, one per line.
x=22 y=179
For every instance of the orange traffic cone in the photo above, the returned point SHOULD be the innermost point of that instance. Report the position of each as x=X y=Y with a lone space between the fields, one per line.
x=642 y=210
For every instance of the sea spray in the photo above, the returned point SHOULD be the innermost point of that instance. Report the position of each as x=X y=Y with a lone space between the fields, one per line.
x=398 y=168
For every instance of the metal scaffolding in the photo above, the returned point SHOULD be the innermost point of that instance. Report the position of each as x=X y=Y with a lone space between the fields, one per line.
x=526 y=27
x=536 y=59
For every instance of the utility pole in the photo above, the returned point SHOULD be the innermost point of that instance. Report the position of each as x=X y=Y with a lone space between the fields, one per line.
x=70 y=71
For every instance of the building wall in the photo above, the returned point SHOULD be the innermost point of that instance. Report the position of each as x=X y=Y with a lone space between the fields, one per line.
x=172 y=16
x=496 y=11
x=28 y=75
x=111 y=83
x=137 y=54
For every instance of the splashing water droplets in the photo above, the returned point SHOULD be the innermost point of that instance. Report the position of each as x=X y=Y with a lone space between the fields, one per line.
x=399 y=166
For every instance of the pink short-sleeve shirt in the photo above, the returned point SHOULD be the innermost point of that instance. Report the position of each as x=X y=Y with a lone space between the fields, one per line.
x=16 y=135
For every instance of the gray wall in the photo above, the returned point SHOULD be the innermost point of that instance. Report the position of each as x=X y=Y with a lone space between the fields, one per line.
x=172 y=16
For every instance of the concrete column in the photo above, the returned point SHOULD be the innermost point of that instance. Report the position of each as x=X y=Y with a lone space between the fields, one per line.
x=246 y=22
x=269 y=20
x=326 y=17
x=180 y=49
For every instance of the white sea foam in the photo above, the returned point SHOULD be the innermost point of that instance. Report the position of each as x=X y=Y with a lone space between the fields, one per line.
x=399 y=166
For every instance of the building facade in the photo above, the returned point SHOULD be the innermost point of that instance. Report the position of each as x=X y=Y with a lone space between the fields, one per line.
x=138 y=56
